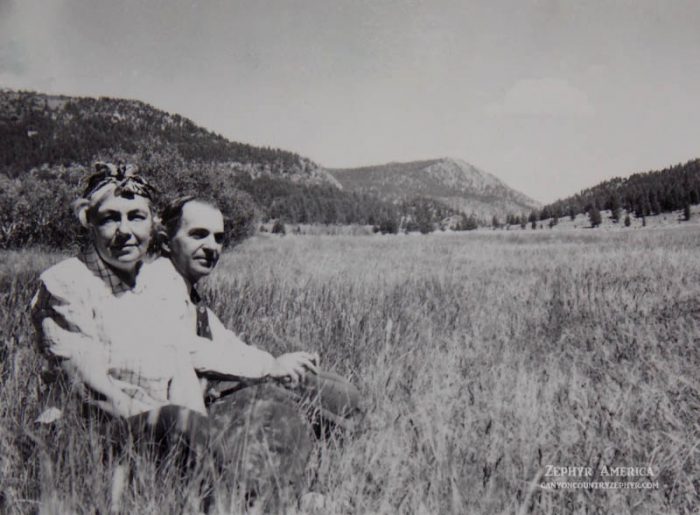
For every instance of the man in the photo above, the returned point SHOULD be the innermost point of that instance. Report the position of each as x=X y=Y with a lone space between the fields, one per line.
x=262 y=420
x=194 y=241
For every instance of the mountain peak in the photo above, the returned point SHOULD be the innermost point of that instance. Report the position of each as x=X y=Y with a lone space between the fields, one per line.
x=452 y=181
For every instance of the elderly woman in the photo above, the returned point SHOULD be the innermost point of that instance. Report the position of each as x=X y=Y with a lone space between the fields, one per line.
x=89 y=313
x=105 y=326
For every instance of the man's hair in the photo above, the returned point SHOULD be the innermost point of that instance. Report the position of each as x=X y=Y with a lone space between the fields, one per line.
x=172 y=213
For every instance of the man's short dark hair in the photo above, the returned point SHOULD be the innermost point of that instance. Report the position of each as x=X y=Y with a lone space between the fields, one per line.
x=170 y=218
x=172 y=213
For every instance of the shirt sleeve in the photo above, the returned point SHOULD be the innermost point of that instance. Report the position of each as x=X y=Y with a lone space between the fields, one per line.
x=58 y=309
x=226 y=356
x=67 y=335
x=40 y=309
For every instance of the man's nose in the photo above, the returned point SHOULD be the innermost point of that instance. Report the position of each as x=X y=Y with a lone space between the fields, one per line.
x=211 y=244
x=211 y=248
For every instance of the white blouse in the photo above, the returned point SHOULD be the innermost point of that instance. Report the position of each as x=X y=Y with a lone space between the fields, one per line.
x=142 y=341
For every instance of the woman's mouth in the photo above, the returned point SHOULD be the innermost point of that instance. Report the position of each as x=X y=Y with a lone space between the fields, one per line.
x=123 y=249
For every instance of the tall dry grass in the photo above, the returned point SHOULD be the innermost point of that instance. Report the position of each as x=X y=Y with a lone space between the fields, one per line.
x=482 y=358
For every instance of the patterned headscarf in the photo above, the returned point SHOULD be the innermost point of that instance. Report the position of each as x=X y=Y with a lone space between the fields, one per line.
x=120 y=180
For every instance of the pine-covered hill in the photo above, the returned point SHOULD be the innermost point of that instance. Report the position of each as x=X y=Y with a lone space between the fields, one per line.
x=643 y=194
x=38 y=130
x=48 y=144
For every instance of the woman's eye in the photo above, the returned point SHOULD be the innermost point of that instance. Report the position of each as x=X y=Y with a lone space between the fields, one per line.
x=107 y=219
x=138 y=216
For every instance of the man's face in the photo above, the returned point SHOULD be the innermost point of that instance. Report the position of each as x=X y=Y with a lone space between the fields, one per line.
x=121 y=230
x=196 y=246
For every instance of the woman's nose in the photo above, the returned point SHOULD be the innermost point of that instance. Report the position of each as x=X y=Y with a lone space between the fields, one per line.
x=124 y=229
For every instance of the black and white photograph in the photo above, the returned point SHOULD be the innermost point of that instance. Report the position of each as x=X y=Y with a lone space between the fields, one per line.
x=317 y=257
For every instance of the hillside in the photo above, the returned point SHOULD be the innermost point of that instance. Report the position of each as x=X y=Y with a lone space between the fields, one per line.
x=47 y=130
x=644 y=194
x=48 y=144
x=452 y=182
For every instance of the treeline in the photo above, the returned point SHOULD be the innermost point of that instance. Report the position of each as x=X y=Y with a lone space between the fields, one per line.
x=422 y=215
x=38 y=129
x=48 y=145
x=524 y=220
x=643 y=194
x=35 y=209
x=292 y=202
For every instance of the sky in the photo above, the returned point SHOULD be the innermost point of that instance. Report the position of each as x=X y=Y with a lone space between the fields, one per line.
x=551 y=96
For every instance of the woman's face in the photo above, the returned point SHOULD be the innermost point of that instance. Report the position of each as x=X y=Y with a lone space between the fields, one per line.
x=121 y=229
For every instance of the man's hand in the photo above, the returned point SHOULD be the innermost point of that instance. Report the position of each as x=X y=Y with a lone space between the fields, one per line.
x=294 y=365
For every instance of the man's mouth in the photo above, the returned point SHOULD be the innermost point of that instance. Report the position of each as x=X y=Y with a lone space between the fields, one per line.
x=204 y=261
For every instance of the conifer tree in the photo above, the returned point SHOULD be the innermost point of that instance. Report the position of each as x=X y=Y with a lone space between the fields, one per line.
x=533 y=219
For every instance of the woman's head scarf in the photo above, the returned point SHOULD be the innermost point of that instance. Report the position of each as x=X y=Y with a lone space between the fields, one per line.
x=119 y=180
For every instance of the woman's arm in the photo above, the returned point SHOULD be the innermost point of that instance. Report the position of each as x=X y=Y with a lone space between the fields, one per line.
x=65 y=329
x=86 y=362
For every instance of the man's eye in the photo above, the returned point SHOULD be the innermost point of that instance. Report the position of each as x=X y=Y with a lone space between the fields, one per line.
x=199 y=234
x=219 y=238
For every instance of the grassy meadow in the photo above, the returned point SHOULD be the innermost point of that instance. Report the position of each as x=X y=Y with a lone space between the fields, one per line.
x=483 y=358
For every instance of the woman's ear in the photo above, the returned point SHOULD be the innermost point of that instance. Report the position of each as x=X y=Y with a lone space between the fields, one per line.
x=81 y=208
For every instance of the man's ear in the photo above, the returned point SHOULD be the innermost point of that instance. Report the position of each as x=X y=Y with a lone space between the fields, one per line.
x=163 y=242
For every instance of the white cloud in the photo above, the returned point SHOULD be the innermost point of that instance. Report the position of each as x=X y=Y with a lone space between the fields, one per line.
x=542 y=97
